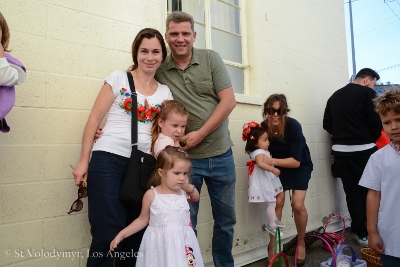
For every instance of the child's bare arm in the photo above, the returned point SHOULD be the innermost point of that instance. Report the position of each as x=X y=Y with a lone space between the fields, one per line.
x=191 y=191
x=373 y=203
x=265 y=166
x=141 y=222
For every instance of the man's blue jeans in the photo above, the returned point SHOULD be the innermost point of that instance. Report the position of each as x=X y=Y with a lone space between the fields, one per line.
x=220 y=177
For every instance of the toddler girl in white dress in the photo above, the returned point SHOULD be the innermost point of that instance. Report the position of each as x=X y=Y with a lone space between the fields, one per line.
x=169 y=240
x=264 y=183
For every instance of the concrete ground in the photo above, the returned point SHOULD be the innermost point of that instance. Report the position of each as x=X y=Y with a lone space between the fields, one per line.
x=316 y=254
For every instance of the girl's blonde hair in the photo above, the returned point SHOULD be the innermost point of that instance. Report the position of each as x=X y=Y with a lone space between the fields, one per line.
x=165 y=161
x=389 y=101
x=5 y=37
x=168 y=107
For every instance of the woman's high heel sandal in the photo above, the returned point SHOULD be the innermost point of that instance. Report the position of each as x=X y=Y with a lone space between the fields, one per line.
x=301 y=262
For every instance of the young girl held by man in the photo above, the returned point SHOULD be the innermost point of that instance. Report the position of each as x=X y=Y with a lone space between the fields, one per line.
x=168 y=130
x=264 y=183
x=169 y=240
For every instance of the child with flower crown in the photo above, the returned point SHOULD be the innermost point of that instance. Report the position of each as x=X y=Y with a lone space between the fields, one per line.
x=264 y=183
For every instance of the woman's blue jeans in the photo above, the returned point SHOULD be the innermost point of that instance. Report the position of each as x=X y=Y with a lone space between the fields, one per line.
x=107 y=214
x=220 y=177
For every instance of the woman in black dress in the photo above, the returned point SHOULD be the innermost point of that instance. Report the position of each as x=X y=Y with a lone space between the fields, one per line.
x=290 y=154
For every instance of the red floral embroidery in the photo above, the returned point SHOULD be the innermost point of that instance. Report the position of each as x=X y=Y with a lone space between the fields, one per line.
x=152 y=112
x=128 y=104
x=141 y=113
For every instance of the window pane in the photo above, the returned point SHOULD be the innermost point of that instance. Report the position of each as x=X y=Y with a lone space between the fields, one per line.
x=227 y=45
x=174 y=5
x=236 y=75
x=233 y=2
x=200 y=37
x=224 y=17
x=194 y=8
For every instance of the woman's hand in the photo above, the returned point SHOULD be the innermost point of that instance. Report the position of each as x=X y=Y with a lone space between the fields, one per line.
x=268 y=160
x=284 y=163
x=80 y=172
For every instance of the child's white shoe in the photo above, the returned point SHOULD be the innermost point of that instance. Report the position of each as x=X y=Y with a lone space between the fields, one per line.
x=271 y=229
x=279 y=224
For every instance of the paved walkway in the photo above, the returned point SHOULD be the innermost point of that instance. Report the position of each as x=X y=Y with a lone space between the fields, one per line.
x=316 y=254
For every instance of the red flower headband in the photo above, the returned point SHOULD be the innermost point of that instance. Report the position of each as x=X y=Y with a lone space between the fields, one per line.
x=247 y=128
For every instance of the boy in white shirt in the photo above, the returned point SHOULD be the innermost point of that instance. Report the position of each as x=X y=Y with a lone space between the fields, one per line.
x=382 y=177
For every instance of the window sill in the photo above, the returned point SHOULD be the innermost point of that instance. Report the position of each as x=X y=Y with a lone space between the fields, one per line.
x=249 y=99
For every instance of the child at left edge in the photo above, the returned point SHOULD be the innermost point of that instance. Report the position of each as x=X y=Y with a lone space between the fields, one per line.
x=12 y=72
x=382 y=177
x=264 y=183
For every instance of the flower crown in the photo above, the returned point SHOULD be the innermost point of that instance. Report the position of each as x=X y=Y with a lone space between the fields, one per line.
x=247 y=128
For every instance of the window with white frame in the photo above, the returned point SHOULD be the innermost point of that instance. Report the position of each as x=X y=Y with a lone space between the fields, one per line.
x=218 y=27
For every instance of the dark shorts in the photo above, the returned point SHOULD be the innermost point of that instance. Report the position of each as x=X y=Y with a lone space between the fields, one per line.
x=296 y=179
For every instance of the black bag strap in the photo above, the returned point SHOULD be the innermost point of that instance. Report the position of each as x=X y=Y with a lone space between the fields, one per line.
x=134 y=130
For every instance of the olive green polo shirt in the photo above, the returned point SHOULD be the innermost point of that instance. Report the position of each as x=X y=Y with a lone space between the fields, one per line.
x=197 y=87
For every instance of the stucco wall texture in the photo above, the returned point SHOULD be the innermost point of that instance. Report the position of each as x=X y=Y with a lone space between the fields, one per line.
x=69 y=47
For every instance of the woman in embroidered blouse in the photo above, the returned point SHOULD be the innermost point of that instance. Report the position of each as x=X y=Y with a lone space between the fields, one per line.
x=292 y=157
x=110 y=153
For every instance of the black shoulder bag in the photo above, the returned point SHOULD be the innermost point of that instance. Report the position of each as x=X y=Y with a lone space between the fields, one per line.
x=141 y=165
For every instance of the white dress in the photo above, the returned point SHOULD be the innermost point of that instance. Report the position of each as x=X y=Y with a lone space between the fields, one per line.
x=169 y=240
x=263 y=185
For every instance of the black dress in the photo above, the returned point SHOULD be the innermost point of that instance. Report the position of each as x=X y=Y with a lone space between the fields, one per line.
x=293 y=145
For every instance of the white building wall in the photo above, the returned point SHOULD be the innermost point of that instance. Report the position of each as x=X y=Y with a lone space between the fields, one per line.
x=297 y=48
x=69 y=47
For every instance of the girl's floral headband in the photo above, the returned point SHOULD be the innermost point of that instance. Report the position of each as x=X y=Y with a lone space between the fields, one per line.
x=247 y=128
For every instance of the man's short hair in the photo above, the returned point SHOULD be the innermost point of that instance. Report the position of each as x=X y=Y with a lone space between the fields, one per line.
x=367 y=72
x=178 y=17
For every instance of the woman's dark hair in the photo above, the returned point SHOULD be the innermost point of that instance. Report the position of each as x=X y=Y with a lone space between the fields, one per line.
x=253 y=137
x=148 y=33
x=276 y=131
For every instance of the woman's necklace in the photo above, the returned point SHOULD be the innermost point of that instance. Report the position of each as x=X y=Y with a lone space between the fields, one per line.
x=146 y=103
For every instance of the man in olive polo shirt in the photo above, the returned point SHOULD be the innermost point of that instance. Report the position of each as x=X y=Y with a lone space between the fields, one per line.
x=198 y=78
